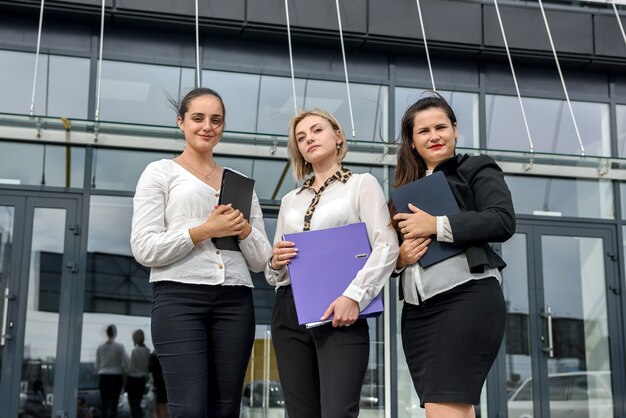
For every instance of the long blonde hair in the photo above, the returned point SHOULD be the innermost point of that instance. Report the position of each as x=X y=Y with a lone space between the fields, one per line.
x=298 y=164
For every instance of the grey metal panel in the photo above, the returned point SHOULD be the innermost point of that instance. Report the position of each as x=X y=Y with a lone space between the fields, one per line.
x=318 y=14
x=449 y=74
x=525 y=29
x=218 y=9
x=451 y=21
x=21 y=33
x=273 y=58
x=608 y=37
x=620 y=88
x=394 y=18
x=447 y=21
x=109 y=3
x=149 y=47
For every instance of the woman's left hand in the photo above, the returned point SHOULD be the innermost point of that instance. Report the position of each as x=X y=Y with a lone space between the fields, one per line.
x=418 y=224
x=247 y=229
x=346 y=312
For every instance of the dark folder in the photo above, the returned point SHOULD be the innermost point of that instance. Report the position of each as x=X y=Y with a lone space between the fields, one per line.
x=236 y=190
x=433 y=195
x=327 y=262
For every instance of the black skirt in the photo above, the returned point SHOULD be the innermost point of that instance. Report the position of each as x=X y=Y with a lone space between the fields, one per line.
x=451 y=340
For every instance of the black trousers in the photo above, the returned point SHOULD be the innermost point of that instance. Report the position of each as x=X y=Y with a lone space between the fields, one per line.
x=321 y=369
x=203 y=336
x=110 y=386
x=135 y=388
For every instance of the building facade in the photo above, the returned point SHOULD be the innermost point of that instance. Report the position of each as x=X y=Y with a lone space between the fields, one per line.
x=68 y=172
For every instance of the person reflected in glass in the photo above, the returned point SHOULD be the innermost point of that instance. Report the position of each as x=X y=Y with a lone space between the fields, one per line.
x=111 y=364
x=322 y=368
x=454 y=314
x=137 y=373
x=202 y=309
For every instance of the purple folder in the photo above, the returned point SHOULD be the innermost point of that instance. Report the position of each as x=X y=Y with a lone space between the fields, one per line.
x=327 y=262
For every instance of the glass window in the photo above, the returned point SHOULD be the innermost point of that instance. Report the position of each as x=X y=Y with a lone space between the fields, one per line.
x=276 y=103
x=268 y=175
x=138 y=93
x=120 y=170
x=465 y=106
x=16 y=82
x=561 y=197
x=550 y=124
x=369 y=105
x=68 y=88
x=240 y=93
x=62 y=84
x=621 y=130
x=36 y=164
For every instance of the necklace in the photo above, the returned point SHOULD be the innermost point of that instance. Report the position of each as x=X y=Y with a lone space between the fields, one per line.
x=206 y=177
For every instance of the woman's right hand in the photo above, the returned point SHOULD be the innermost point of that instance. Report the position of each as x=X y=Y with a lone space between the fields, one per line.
x=411 y=250
x=223 y=221
x=282 y=254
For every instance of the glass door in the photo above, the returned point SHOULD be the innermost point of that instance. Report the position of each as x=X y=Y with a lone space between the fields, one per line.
x=37 y=264
x=558 y=286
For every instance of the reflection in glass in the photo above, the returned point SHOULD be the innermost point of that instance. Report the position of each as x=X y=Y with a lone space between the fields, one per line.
x=465 y=106
x=515 y=288
x=562 y=197
x=240 y=93
x=120 y=169
x=42 y=318
x=579 y=374
x=62 y=84
x=138 y=93
x=276 y=103
x=550 y=124
x=621 y=129
x=269 y=175
x=36 y=164
x=7 y=217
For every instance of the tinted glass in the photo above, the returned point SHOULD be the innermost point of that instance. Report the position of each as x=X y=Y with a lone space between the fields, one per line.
x=621 y=130
x=550 y=123
x=561 y=197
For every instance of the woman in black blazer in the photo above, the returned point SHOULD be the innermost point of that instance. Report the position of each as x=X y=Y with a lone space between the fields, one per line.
x=454 y=312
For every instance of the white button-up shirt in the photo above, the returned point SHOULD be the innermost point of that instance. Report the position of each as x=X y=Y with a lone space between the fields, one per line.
x=359 y=199
x=169 y=201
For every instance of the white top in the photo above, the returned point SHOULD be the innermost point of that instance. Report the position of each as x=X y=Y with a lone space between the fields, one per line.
x=111 y=358
x=169 y=201
x=359 y=199
x=419 y=283
x=139 y=360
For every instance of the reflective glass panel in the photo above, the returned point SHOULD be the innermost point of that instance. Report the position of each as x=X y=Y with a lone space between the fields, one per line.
x=579 y=372
x=562 y=197
x=240 y=93
x=274 y=179
x=120 y=169
x=369 y=105
x=16 y=82
x=138 y=93
x=621 y=129
x=7 y=217
x=465 y=106
x=42 y=312
x=276 y=103
x=517 y=343
x=117 y=292
x=550 y=123
x=68 y=88
x=35 y=164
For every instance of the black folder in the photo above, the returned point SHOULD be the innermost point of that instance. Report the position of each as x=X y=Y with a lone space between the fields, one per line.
x=433 y=195
x=236 y=190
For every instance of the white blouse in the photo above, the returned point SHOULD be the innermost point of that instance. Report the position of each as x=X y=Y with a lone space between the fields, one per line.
x=169 y=201
x=359 y=199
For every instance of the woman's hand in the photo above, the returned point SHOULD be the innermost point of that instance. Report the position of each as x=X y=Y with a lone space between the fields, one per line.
x=247 y=229
x=411 y=250
x=418 y=224
x=282 y=254
x=223 y=221
x=346 y=312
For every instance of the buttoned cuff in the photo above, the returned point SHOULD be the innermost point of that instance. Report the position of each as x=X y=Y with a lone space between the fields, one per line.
x=355 y=293
x=444 y=230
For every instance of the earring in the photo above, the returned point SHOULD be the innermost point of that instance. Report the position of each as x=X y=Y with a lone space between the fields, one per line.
x=339 y=146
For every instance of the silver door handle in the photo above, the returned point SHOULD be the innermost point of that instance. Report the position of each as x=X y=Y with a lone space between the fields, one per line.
x=4 y=336
x=550 y=348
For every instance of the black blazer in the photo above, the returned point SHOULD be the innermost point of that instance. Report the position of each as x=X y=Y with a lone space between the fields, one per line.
x=487 y=213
